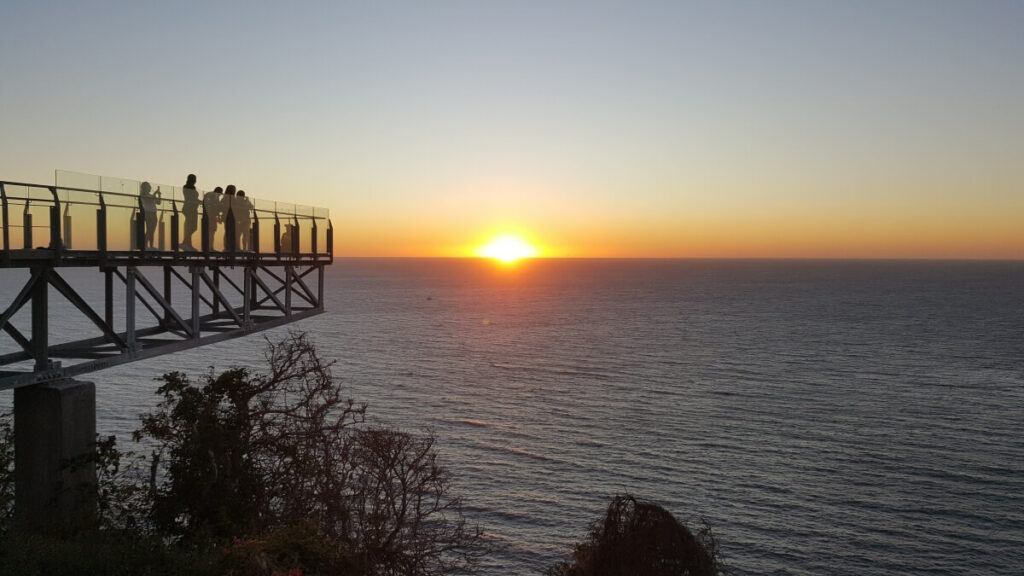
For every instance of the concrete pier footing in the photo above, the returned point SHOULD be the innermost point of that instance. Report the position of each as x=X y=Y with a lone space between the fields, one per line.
x=54 y=427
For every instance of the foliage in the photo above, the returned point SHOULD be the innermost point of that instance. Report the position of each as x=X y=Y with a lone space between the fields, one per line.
x=106 y=552
x=243 y=459
x=639 y=537
x=6 y=471
x=401 y=514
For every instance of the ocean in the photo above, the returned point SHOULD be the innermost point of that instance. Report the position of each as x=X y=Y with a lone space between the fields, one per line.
x=825 y=417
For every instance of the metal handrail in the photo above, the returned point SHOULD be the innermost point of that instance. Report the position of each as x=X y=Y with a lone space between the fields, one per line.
x=134 y=198
x=59 y=219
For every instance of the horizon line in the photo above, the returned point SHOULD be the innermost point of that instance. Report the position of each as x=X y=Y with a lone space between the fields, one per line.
x=707 y=258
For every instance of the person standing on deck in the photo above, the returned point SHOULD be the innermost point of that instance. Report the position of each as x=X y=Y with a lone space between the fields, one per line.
x=243 y=208
x=191 y=210
x=148 y=200
x=227 y=204
x=211 y=208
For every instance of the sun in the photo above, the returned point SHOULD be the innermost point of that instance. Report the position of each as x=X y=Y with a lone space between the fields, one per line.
x=507 y=248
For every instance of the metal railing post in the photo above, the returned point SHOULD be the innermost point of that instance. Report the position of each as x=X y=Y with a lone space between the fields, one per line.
x=295 y=236
x=277 y=234
x=101 y=225
x=330 y=238
x=6 y=224
x=312 y=238
x=55 y=236
x=204 y=236
x=254 y=239
x=68 y=236
x=26 y=222
x=140 y=227
x=174 y=226
x=229 y=232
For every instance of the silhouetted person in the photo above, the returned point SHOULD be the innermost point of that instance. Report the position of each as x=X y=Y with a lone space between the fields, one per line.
x=191 y=210
x=286 y=239
x=211 y=208
x=149 y=200
x=227 y=204
x=242 y=208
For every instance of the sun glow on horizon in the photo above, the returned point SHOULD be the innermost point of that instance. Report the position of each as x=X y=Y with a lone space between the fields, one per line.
x=507 y=248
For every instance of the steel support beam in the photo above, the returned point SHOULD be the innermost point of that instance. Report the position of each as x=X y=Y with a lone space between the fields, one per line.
x=40 y=320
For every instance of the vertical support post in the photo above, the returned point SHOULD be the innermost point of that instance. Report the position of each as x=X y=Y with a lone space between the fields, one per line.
x=168 y=321
x=140 y=227
x=129 y=308
x=174 y=226
x=108 y=297
x=101 y=226
x=253 y=304
x=26 y=222
x=254 y=239
x=312 y=238
x=56 y=243
x=40 y=311
x=230 y=234
x=288 y=273
x=68 y=229
x=55 y=424
x=295 y=237
x=204 y=234
x=133 y=231
x=195 y=302
x=216 y=284
x=277 y=235
x=247 y=298
x=6 y=223
x=330 y=238
x=320 y=288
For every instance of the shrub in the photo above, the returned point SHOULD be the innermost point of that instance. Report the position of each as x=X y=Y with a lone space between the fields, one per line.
x=639 y=537
x=241 y=455
x=106 y=552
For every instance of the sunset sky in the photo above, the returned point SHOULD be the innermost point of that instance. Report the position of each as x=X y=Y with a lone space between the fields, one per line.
x=620 y=129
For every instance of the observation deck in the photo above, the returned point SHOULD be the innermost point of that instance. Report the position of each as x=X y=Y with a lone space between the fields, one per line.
x=256 y=264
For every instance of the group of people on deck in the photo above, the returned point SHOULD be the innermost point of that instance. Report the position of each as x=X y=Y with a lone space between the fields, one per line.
x=220 y=205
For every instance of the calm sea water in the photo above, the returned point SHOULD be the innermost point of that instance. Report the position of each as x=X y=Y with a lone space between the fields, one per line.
x=860 y=418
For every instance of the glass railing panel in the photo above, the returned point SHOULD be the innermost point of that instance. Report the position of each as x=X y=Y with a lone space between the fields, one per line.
x=305 y=235
x=79 y=219
x=322 y=224
x=121 y=225
x=83 y=181
x=16 y=202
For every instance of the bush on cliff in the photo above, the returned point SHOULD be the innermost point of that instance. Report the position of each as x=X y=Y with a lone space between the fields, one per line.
x=639 y=537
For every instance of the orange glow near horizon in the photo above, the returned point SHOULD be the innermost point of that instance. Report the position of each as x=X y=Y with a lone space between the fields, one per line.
x=855 y=227
x=507 y=248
